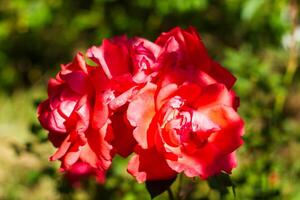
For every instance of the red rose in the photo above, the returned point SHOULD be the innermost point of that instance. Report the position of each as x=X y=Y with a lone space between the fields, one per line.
x=127 y=64
x=184 y=128
x=68 y=116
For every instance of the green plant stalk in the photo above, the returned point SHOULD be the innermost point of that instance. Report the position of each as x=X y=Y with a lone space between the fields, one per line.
x=179 y=186
x=292 y=63
x=170 y=193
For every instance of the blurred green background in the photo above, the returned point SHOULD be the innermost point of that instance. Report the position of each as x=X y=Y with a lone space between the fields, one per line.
x=257 y=40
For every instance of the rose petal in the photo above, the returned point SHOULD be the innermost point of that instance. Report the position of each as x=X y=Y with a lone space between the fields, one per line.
x=232 y=128
x=56 y=138
x=123 y=141
x=77 y=81
x=60 y=152
x=215 y=94
x=220 y=74
x=164 y=93
x=149 y=165
x=78 y=63
x=106 y=55
x=98 y=150
x=140 y=112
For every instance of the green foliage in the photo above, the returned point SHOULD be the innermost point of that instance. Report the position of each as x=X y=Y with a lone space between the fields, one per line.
x=221 y=183
x=246 y=36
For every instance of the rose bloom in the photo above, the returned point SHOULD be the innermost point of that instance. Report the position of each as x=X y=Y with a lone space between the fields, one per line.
x=128 y=64
x=184 y=128
x=85 y=112
x=68 y=115
x=187 y=120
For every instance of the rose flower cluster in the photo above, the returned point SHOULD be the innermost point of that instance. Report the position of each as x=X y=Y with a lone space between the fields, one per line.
x=166 y=104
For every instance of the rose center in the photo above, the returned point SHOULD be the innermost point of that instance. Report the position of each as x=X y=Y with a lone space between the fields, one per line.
x=181 y=126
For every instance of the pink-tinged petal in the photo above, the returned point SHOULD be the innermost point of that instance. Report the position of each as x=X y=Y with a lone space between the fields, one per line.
x=190 y=168
x=143 y=136
x=150 y=46
x=112 y=50
x=53 y=86
x=141 y=77
x=77 y=81
x=106 y=55
x=56 y=122
x=163 y=95
x=189 y=92
x=180 y=76
x=149 y=165
x=78 y=63
x=96 y=55
x=123 y=141
x=144 y=55
x=232 y=128
x=170 y=136
x=122 y=99
x=202 y=78
x=133 y=169
x=103 y=95
x=80 y=117
x=170 y=49
x=55 y=100
x=164 y=37
x=71 y=156
x=61 y=151
x=202 y=123
x=99 y=80
x=140 y=113
x=83 y=110
x=215 y=94
x=101 y=112
x=202 y=162
x=89 y=156
x=66 y=108
x=65 y=94
x=98 y=151
x=122 y=83
x=43 y=113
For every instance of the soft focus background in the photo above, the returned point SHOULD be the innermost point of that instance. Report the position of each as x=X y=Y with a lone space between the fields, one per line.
x=257 y=40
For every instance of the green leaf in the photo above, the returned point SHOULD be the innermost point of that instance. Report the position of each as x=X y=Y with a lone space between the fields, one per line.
x=221 y=182
x=155 y=188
